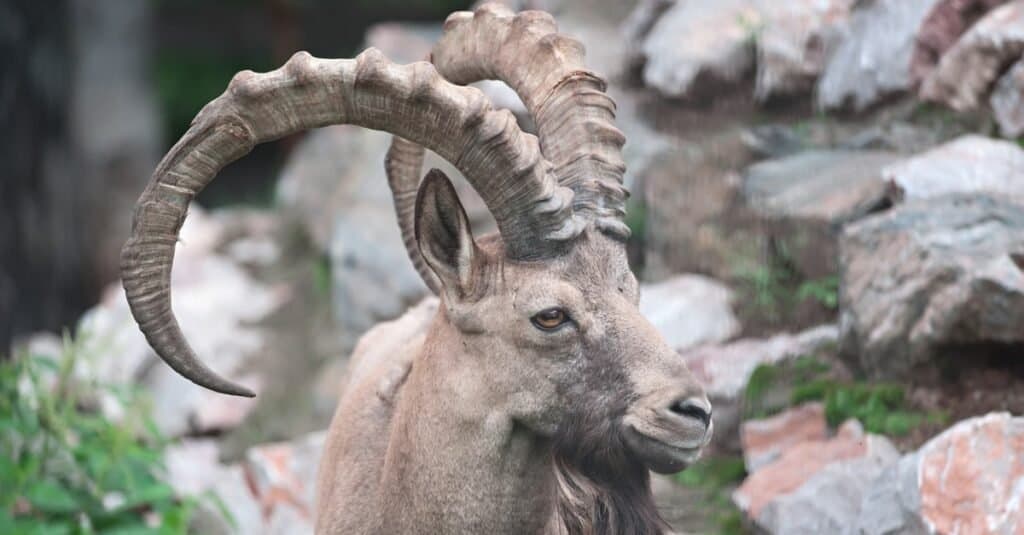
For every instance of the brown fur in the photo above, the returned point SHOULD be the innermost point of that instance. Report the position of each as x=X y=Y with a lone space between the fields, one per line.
x=481 y=423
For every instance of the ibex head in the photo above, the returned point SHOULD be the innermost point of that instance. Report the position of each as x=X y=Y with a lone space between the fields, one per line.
x=560 y=341
x=543 y=314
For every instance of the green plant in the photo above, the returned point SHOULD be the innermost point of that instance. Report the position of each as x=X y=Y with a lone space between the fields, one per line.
x=824 y=290
x=66 y=469
x=715 y=478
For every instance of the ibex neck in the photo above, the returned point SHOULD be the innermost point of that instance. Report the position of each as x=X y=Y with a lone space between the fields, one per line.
x=456 y=463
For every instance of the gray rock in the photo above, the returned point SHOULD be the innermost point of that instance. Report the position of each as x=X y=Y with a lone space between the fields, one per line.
x=636 y=27
x=835 y=186
x=966 y=72
x=891 y=502
x=951 y=276
x=697 y=46
x=797 y=39
x=335 y=183
x=217 y=303
x=690 y=310
x=969 y=164
x=804 y=199
x=829 y=502
x=193 y=469
x=965 y=480
x=1007 y=101
x=946 y=22
x=873 y=61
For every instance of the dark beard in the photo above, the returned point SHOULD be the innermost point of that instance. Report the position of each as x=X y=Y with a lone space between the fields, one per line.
x=600 y=488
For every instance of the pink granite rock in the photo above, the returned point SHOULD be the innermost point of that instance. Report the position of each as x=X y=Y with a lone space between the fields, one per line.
x=797 y=465
x=967 y=71
x=767 y=439
x=946 y=22
x=968 y=480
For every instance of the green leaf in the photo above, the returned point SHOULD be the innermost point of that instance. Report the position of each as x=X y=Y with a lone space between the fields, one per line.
x=49 y=497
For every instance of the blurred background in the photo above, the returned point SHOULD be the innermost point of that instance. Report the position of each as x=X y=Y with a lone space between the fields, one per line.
x=828 y=223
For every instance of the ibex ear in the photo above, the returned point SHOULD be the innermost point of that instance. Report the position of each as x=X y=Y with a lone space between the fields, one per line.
x=443 y=234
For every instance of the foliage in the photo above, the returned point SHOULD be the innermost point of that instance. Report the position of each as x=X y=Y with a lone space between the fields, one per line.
x=881 y=408
x=715 y=478
x=65 y=469
x=775 y=286
x=824 y=290
x=321 y=273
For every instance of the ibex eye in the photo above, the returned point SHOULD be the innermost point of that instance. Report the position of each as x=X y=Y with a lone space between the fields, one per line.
x=550 y=319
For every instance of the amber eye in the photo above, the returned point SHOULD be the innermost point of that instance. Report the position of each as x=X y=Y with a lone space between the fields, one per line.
x=550 y=318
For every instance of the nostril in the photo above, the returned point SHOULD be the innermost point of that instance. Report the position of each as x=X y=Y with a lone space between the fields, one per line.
x=692 y=408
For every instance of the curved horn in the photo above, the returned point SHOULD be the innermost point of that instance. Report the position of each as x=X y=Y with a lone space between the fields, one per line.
x=402 y=166
x=574 y=116
x=533 y=213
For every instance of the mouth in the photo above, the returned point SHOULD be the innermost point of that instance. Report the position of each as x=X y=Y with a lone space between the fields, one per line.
x=659 y=455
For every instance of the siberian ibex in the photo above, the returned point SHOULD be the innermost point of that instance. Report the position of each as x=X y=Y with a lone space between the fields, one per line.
x=538 y=397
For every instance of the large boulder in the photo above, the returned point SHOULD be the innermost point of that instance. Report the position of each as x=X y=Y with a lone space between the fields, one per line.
x=806 y=197
x=966 y=72
x=272 y=491
x=930 y=276
x=969 y=479
x=946 y=22
x=969 y=164
x=690 y=310
x=695 y=218
x=1007 y=101
x=696 y=47
x=829 y=501
x=873 y=61
x=795 y=43
x=765 y=439
x=219 y=306
x=769 y=495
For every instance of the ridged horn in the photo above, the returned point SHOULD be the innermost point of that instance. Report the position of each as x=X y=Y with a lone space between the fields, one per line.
x=574 y=116
x=534 y=214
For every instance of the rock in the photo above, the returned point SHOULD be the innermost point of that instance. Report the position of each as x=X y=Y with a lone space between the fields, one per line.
x=696 y=47
x=888 y=504
x=969 y=164
x=216 y=302
x=795 y=43
x=873 y=61
x=799 y=464
x=690 y=310
x=969 y=479
x=724 y=370
x=193 y=469
x=952 y=277
x=1007 y=101
x=966 y=72
x=946 y=22
x=334 y=182
x=829 y=501
x=636 y=27
x=283 y=477
x=766 y=439
x=695 y=220
x=804 y=199
x=835 y=186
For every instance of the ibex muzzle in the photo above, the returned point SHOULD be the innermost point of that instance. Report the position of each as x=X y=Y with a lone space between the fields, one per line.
x=539 y=397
